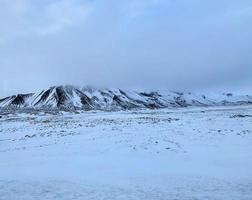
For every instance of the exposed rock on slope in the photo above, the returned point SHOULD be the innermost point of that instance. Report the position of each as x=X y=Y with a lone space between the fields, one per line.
x=88 y=98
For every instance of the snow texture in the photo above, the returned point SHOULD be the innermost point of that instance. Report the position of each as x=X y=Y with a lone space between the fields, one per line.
x=181 y=153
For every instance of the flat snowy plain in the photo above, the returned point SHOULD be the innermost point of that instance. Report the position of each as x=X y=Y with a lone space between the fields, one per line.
x=183 y=154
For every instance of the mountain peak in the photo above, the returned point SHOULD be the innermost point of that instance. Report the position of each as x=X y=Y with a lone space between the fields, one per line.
x=90 y=98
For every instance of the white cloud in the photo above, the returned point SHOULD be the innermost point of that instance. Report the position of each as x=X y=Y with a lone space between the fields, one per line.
x=22 y=17
x=60 y=15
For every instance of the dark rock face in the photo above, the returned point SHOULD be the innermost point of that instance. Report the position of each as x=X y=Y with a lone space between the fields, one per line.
x=60 y=96
x=86 y=101
x=44 y=96
x=19 y=100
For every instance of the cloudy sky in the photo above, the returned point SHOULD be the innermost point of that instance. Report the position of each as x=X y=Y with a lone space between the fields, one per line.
x=157 y=44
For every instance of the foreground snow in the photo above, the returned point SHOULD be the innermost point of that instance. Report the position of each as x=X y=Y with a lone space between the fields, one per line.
x=196 y=153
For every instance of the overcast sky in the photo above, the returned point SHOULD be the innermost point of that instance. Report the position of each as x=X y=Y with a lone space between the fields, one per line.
x=157 y=44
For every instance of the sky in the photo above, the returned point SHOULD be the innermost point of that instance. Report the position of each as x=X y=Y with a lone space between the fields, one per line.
x=192 y=45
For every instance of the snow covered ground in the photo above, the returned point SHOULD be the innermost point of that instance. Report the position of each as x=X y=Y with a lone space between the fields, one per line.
x=183 y=154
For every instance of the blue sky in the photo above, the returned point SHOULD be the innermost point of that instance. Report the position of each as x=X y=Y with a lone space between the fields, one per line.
x=152 y=44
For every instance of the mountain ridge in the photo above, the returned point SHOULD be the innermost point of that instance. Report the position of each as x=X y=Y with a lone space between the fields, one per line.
x=90 y=98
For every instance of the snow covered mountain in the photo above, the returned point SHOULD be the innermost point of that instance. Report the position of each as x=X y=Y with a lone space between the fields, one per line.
x=88 y=98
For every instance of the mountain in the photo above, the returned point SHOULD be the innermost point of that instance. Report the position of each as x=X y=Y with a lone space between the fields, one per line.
x=89 y=98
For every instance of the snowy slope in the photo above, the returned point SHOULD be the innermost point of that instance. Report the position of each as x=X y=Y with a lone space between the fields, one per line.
x=88 y=98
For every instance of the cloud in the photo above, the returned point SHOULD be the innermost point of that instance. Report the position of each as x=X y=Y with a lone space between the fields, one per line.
x=183 y=45
x=24 y=17
x=62 y=14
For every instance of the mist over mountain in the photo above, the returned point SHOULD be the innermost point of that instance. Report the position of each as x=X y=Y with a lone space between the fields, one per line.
x=110 y=99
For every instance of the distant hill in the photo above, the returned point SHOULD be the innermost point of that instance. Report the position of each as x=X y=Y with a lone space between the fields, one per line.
x=89 y=98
